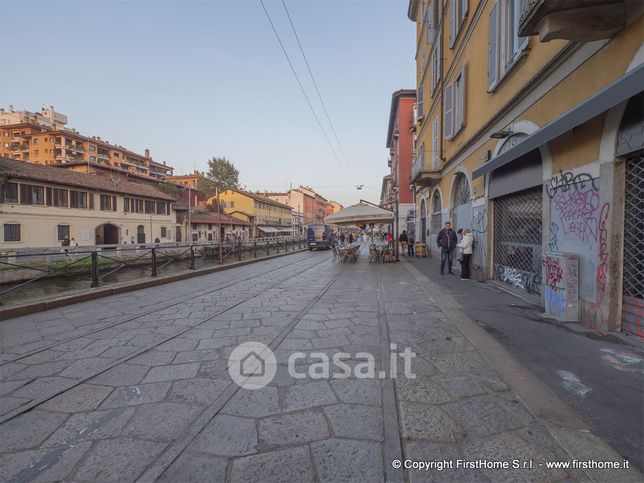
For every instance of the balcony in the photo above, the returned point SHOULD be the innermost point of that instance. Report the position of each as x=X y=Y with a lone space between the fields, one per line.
x=104 y=156
x=422 y=173
x=76 y=148
x=577 y=20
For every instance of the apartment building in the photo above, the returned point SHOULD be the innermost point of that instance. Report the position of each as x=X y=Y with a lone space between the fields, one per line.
x=308 y=206
x=42 y=138
x=266 y=216
x=529 y=132
x=400 y=143
x=192 y=180
x=42 y=205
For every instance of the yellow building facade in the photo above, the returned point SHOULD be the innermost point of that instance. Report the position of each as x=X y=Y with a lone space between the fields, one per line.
x=536 y=146
x=267 y=217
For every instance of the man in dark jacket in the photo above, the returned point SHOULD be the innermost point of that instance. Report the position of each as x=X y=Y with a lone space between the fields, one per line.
x=446 y=241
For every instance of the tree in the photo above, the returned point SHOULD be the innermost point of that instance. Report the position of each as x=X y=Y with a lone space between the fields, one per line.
x=208 y=187
x=222 y=173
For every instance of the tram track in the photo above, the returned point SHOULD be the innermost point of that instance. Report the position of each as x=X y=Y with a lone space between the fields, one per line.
x=76 y=382
x=157 y=308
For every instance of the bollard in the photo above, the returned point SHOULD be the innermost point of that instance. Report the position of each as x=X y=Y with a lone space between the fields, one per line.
x=154 y=263
x=255 y=248
x=94 y=270
x=192 y=258
x=277 y=245
x=239 y=253
x=268 y=248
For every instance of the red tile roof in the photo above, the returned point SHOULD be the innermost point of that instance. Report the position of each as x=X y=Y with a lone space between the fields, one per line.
x=13 y=168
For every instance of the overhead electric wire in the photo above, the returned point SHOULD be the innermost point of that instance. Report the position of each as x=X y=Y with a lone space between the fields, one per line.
x=308 y=101
x=315 y=84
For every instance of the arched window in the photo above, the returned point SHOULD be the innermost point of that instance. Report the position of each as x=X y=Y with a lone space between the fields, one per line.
x=436 y=212
x=461 y=190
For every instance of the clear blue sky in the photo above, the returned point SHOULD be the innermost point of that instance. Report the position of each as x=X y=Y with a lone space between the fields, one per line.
x=193 y=79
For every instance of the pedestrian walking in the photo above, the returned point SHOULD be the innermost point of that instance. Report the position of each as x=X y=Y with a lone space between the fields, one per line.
x=403 y=239
x=341 y=239
x=410 y=245
x=65 y=244
x=446 y=241
x=350 y=238
x=466 y=246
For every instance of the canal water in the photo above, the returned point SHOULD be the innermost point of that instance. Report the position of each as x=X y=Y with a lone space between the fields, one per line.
x=41 y=290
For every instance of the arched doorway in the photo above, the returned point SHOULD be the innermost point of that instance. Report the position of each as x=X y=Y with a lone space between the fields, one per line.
x=423 y=221
x=517 y=193
x=437 y=210
x=140 y=234
x=106 y=234
x=462 y=202
x=629 y=147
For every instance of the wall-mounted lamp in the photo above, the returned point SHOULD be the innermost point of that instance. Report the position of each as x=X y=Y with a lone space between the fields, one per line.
x=506 y=133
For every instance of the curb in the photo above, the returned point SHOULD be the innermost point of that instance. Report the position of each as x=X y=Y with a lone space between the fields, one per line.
x=91 y=294
x=562 y=422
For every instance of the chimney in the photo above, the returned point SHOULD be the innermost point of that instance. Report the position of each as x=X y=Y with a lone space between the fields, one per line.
x=147 y=153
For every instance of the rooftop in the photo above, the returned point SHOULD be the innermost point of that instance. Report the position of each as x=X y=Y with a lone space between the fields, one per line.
x=12 y=168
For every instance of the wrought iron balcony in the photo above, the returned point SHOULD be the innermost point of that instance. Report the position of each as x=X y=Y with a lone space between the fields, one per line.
x=578 y=20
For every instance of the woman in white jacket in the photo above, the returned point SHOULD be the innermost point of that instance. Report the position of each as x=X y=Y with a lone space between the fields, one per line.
x=466 y=245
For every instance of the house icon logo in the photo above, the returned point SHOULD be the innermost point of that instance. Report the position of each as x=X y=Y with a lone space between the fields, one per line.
x=252 y=365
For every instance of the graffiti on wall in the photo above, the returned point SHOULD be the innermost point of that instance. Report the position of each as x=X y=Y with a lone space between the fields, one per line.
x=479 y=252
x=552 y=271
x=526 y=281
x=567 y=181
x=574 y=224
x=555 y=302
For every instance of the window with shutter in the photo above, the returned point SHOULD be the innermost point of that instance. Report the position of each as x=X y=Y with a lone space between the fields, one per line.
x=452 y=22
x=493 y=50
x=459 y=101
x=429 y=16
x=419 y=101
x=435 y=144
x=448 y=118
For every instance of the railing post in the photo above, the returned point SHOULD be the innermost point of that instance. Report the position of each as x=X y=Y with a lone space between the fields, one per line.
x=94 y=270
x=277 y=245
x=154 y=263
x=255 y=248
x=192 y=257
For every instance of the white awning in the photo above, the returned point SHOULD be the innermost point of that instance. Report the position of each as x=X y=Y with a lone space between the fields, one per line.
x=360 y=213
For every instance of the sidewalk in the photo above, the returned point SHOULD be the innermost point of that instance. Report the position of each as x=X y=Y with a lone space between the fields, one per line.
x=171 y=411
x=593 y=374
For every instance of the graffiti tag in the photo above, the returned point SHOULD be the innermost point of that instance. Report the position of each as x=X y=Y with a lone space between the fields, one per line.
x=555 y=302
x=567 y=181
x=529 y=282
x=577 y=211
x=553 y=271
x=553 y=243
x=596 y=320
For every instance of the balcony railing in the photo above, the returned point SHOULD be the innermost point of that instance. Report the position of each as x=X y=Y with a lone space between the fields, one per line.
x=422 y=171
x=577 y=20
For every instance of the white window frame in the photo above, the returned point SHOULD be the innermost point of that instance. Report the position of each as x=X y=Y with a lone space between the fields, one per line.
x=435 y=143
x=505 y=47
x=459 y=101
x=457 y=14
x=435 y=66
x=448 y=113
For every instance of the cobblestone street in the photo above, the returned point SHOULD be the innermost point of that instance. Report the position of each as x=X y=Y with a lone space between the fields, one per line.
x=136 y=387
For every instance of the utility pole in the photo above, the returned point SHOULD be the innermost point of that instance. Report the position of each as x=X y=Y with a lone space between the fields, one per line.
x=396 y=227
x=221 y=252
x=189 y=227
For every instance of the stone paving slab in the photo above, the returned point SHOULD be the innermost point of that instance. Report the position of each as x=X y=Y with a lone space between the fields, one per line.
x=173 y=412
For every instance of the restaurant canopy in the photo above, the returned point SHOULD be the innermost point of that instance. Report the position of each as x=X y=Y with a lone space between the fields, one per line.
x=360 y=214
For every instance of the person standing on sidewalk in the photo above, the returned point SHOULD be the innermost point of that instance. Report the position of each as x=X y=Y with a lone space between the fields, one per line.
x=466 y=245
x=446 y=241
x=403 y=239
x=410 y=245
